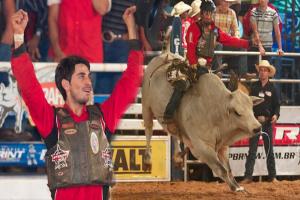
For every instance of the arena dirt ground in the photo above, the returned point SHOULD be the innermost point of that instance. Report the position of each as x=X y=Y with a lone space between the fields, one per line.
x=194 y=190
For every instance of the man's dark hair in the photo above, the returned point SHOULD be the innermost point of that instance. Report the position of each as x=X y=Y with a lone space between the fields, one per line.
x=207 y=5
x=65 y=70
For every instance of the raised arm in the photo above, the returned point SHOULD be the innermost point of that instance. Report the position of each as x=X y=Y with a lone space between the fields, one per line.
x=231 y=41
x=41 y=112
x=127 y=87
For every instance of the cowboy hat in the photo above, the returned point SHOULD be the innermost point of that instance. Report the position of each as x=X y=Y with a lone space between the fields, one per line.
x=180 y=8
x=195 y=8
x=266 y=64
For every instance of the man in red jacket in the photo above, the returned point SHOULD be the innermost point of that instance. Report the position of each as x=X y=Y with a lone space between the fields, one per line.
x=78 y=159
x=201 y=38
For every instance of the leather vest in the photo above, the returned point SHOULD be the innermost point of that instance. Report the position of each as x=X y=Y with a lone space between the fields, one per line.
x=82 y=154
x=206 y=43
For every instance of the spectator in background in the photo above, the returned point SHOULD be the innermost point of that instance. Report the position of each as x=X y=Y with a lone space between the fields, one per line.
x=113 y=26
x=75 y=28
x=115 y=45
x=194 y=13
x=242 y=68
x=36 y=33
x=267 y=114
x=9 y=8
x=225 y=18
x=154 y=20
x=181 y=9
x=264 y=20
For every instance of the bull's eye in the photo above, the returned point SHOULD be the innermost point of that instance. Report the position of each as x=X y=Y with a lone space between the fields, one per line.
x=238 y=114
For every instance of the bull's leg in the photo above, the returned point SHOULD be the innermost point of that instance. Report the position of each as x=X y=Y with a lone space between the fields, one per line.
x=223 y=157
x=148 y=123
x=207 y=154
x=178 y=156
x=147 y=157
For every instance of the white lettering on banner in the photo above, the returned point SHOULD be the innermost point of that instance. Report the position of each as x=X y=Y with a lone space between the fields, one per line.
x=11 y=154
x=287 y=160
x=260 y=155
x=290 y=132
x=176 y=43
x=53 y=96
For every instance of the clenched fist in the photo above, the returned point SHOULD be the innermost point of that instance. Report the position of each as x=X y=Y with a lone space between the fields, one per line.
x=19 y=21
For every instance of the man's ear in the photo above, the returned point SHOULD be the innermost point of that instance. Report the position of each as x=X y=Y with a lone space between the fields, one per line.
x=65 y=84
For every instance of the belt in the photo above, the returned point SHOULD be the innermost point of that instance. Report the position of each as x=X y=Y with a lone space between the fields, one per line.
x=109 y=36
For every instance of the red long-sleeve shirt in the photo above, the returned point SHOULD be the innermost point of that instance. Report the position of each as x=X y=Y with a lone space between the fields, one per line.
x=42 y=113
x=194 y=33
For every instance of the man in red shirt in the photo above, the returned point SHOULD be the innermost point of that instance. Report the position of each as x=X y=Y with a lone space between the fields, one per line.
x=202 y=36
x=75 y=28
x=78 y=157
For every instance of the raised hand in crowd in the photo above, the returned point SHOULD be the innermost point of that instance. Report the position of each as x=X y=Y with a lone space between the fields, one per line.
x=129 y=20
x=19 y=22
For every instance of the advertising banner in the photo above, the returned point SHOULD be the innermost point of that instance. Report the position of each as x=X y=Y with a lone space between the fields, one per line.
x=286 y=140
x=128 y=157
x=22 y=154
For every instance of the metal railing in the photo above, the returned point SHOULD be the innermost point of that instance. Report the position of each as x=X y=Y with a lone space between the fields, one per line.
x=250 y=53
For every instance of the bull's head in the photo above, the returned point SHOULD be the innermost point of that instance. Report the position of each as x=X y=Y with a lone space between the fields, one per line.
x=240 y=111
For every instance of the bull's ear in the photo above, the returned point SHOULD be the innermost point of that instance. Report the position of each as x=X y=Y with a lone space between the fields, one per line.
x=256 y=100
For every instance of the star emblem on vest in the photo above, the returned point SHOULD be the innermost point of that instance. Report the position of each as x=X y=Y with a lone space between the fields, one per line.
x=106 y=155
x=60 y=158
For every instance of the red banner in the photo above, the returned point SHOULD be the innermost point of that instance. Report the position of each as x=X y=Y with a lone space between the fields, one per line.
x=283 y=135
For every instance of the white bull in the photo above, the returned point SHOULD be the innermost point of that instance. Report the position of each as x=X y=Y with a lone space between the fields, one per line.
x=208 y=120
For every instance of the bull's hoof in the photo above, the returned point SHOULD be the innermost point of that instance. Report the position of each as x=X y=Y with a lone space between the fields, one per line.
x=147 y=162
x=240 y=189
x=178 y=163
x=147 y=167
x=178 y=159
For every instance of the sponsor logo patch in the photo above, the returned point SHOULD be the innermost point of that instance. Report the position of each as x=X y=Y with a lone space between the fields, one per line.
x=94 y=142
x=94 y=125
x=70 y=131
x=60 y=158
x=107 y=157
